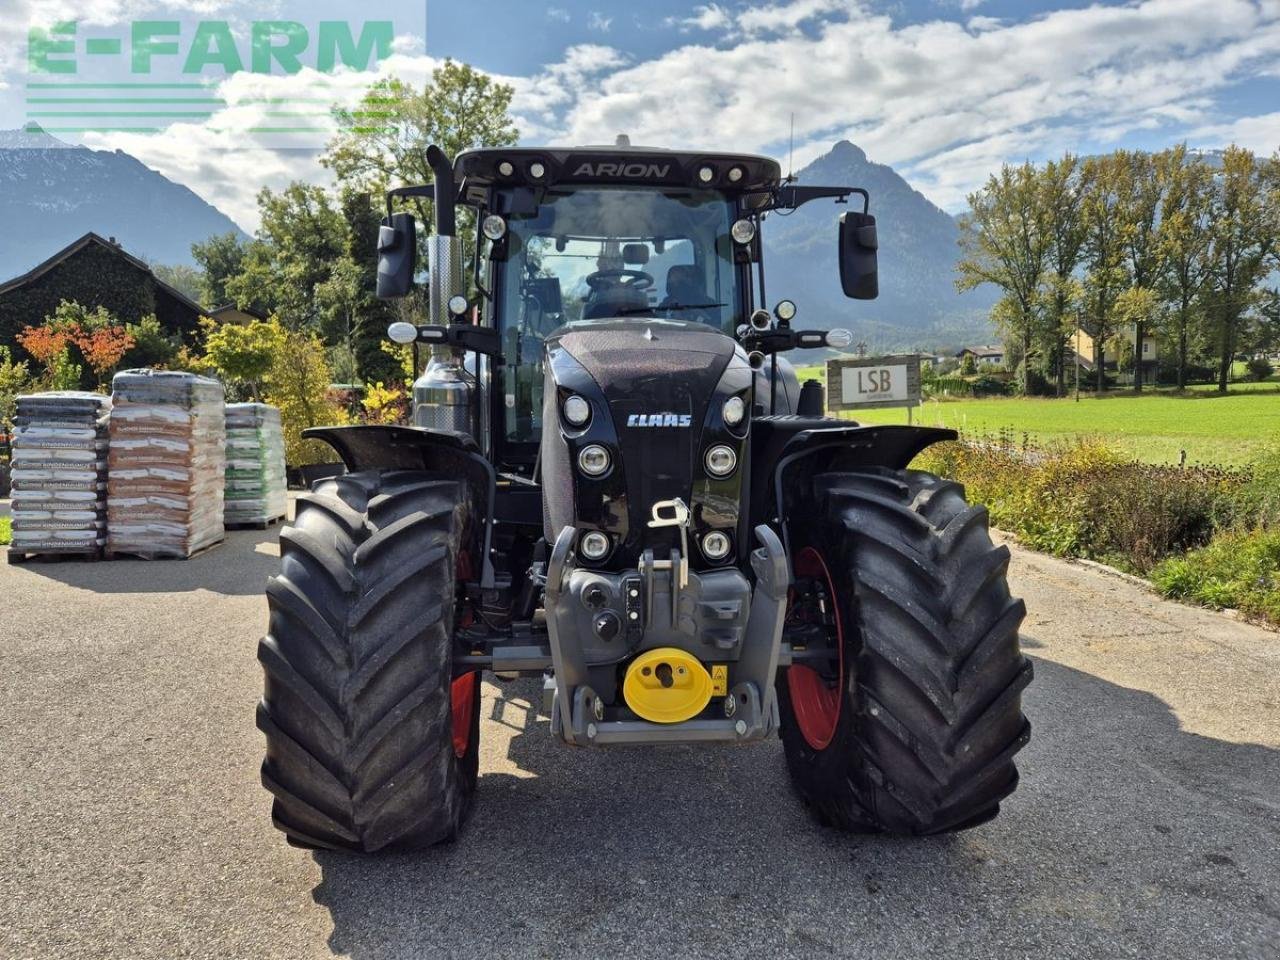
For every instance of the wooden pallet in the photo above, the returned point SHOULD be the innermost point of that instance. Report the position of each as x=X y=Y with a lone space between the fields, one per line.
x=15 y=555
x=255 y=525
x=110 y=554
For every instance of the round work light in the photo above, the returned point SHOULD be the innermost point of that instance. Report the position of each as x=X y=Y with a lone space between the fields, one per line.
x=721 y=460
x=577 y=411
x=594 y=460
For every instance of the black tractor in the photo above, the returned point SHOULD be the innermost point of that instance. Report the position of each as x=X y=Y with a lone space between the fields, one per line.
x=614 y=483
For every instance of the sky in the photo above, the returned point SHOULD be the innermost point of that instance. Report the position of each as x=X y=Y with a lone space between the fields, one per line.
x=943 y=90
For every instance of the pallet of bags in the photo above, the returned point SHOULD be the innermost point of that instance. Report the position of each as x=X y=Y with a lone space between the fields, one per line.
x=59 y=475
x=165 y=464
x=255 y=489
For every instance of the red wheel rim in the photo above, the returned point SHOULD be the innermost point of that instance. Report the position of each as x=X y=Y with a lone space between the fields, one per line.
x=463 y=696
x=814 y=700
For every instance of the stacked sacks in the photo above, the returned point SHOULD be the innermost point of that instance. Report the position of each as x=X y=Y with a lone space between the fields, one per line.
x=255 y=491
x=166 y=463
x=59 y=473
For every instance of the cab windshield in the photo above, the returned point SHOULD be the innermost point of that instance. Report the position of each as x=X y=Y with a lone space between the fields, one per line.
x=602 y=252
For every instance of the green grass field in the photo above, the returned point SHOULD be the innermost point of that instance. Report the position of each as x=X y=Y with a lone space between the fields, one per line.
x=1154 y=426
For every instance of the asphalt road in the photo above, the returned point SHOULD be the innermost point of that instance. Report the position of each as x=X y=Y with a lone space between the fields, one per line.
x=1147 y=825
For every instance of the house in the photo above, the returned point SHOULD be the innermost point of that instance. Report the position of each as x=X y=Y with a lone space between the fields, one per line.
x=1085 y=347
x=990 y=355
x=95 y=272
x=230 y=313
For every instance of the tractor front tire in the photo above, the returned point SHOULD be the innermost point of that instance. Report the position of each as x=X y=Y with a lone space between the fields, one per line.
x=912 y=729
x=372 y=743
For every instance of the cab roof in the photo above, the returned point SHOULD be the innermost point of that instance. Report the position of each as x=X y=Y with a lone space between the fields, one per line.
x=625 y=164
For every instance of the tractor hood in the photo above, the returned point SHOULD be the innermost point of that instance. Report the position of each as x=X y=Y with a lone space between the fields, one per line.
x=656 y=389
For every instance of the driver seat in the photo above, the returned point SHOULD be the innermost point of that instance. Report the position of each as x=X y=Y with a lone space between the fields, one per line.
x=685 y=286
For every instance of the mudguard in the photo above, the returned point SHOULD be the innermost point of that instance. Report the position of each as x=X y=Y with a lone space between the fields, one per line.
x=446 y=452
x=789 y=450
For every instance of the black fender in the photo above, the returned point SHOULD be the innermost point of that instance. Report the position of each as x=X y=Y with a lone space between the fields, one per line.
x=793 y=449
x=444 y=452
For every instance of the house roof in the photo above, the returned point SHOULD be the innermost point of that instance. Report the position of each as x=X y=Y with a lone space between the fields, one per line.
x=231 y=310
x=989 y=350
x=75 y=247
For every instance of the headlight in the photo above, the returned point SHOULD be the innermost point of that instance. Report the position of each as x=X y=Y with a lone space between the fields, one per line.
x=735 y=174
x=839 y=338
x=785 y=311
x=401 y=332
x=734 y=410
x=721 y=460
x=715 y=545
x=577 y=411
x=742 y=231
x=537 y=170
x=594 y=460
x=458 y=305
x=706 y=174
x=594 y=544
x=505 y=168
x=493 y=227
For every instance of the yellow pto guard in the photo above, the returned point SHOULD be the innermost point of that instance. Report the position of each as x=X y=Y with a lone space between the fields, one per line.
x=666 y=685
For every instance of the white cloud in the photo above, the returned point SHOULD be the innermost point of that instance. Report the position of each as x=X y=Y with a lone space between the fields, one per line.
x=1260 y=134
x=558 y=13
x=936 y=98
x=599 y=22
x=712 y=16
x=943 y=101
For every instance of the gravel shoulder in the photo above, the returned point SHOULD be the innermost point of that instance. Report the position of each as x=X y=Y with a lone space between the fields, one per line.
x=1147 y=824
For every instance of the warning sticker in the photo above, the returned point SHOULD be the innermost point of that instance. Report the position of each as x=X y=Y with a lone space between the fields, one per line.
x=719 y=679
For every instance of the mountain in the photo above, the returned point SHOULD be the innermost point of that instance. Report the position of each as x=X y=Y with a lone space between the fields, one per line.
x=918 y=304
x=52 y=192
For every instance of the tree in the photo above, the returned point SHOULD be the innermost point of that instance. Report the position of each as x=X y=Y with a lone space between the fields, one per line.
x=15 y=379
x=244 y=355
x=1243 y=230
x=152 y=346
x=1140 y=190
x=186 y=280
x=383 y=142
x=1061 y=193
x=298 y=383
x=300 y=237
x=1004 y=240
x=1104 y=253
x=1183 y=238
x=103 y=348
x=372 y=316
x=221 y=257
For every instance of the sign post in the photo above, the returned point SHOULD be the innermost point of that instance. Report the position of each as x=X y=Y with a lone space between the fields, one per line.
x=859 y=383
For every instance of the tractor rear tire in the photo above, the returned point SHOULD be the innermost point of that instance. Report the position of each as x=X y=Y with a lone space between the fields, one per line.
x=372 y=744
x=915 y=730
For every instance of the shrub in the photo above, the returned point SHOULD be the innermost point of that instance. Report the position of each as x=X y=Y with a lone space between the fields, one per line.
x=298 y=383
x=1259 y=368
x=1239 y=570
x=1084 y=500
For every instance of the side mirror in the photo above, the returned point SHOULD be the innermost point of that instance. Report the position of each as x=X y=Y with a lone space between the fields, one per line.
x=397 y=255
x=859 y=274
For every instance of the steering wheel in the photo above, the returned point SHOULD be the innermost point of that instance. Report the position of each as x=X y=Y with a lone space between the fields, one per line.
x=607 y=278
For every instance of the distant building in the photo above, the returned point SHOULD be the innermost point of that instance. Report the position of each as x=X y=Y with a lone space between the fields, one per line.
x=1086 y=350
x=990 y=355
x=230 y=313
x=95 y=272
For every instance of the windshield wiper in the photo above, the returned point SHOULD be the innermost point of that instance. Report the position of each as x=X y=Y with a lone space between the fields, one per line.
x=670 y=306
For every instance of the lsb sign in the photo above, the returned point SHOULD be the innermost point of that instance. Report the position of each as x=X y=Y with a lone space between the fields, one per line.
x=861 y=382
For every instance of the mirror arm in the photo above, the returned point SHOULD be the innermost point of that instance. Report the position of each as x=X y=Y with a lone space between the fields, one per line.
x=791 y=197
x=423 y=190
